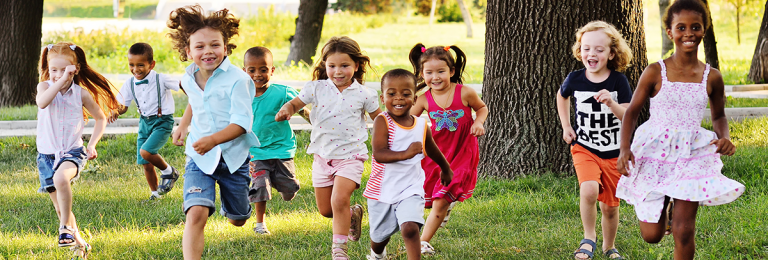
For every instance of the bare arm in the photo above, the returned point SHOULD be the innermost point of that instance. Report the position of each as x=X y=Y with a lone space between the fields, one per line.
x=288 y=109
x=719 y=120
x=433 y=152
x=181 y=133
x=99 y=125
x=205 y=144
x=46 y=94
x=564 y=113
x=380 y=147
x=645 y=87
x=374 y=114
x=419 y=106
x=603 y=96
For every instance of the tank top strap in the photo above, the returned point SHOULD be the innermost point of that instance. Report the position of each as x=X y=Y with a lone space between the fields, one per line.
x=431 y=105
x=663 y=70
x=705 y=76
x=457 y=96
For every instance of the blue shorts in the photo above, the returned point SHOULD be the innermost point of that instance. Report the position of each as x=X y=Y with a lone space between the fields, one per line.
x=47 y=169
x=200 y=189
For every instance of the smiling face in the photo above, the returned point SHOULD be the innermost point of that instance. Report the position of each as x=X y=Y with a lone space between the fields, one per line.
x=139 y=65
x=207 y=48
x=57 y=64
x=686 y=30
x=596 y=51
x=260 y=69
x=398 y=95
x=340 y=68
x=437 y=75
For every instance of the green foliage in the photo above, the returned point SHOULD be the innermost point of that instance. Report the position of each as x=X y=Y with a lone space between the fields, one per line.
x=448 y=12
x=423 y=6
x=364 y=6
x=136 y=9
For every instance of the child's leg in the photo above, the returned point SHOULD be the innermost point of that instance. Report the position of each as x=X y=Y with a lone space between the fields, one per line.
x=323 y=200
x=234 y=189
x=435 y=218
x=684 y=228
x=410 y=232
x=381 y=246
x=654 y=232
x=610 y=224
x=150 y=175
x=193 y=239
x=154 y=159
x=588 y=192
x=61 y=180
x=261 y=210
x=342 y=191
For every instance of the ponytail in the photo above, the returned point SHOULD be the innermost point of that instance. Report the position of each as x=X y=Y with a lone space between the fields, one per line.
x=420 y=54
x=415 y=58
x=458 y=66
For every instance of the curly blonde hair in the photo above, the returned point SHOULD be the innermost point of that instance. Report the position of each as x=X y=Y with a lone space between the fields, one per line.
x=622 y=54
x=187 y=20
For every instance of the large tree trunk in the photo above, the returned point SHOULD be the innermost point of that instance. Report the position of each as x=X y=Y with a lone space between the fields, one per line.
x=521 y=79
x=432 y=11
x=309 y=27
x=22 y=22
x=710 y=43
x=758 y=72
x=466 y=16
x=666 y=43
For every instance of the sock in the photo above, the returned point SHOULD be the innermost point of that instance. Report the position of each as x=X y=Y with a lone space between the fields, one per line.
x=260 y=225
x=155 y=193
x=383 y=253
x=339 y=239
x=168 y=170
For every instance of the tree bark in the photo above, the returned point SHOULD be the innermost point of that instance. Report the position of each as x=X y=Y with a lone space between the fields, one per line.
x=432 y=12
x=466 y=16
x=710 y=43
x=666 y=43
x=521 y=79
x=309 y=28
x=22 y=22
x=758 y=71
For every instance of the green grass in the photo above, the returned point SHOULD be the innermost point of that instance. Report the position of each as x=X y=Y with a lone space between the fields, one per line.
x=136 y=9
x=534 y=217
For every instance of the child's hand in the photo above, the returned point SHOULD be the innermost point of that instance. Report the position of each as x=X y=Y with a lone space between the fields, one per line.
x=282 y=115
x=477 y=129
x=626 y=162
x=204 y=145
x=113 y=117
x=603 y=96
x=569 y=135
x=414 y=149
x=179 y=136
x=724 y=146
x=91 y=153
x=446 y=177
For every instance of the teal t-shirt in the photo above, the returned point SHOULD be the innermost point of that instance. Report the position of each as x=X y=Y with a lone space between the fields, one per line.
x=277 y=138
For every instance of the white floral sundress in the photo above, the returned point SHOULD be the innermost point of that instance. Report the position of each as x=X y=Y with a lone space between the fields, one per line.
x=673 y=156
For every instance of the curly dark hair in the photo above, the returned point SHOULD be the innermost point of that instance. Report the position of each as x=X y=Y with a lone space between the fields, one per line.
x=187 y=20
x=420 y=54
x=690 y=5
x=342 y=44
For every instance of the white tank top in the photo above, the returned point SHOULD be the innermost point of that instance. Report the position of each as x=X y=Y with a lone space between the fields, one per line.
x=393 y=182
x=60 y=125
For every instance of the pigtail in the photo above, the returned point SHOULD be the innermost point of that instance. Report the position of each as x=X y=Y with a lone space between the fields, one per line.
x=101 y=89
x=415 y=58
x=461 y=62
x=43 y=66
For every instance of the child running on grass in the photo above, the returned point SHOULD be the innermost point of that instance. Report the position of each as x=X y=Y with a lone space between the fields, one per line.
x=672 y=158
x=67 y=86
x=601 y=95
x=395 y=190
x=338 y=134
x=219 y=111
x=271 y=163
x=154 y=100
x=450 y=107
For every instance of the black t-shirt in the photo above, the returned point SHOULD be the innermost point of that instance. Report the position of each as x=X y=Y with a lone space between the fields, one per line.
x=597 y=128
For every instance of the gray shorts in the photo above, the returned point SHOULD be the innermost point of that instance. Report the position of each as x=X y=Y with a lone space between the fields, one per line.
x=385 y=219
x=276 y=173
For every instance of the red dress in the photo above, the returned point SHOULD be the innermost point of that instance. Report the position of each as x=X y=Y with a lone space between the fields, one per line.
x=451 y=131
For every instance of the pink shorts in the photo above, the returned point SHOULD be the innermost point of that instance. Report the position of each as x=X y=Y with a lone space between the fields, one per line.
x=324 y=171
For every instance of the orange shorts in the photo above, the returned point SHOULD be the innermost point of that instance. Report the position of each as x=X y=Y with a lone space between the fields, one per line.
x=590 y=167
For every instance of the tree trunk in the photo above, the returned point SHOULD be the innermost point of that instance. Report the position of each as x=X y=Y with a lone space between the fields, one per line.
x=666 y=43
x=309 y=28
x=758 y=72
x=738 y=24
x=710 y=43
x=466 y=16
x=521 y=79
x=432 y=12
x=22 y=22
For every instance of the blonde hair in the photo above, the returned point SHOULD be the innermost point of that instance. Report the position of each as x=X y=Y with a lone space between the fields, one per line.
x=622 y=54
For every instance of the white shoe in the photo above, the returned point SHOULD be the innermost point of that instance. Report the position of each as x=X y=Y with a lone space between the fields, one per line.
x=372 y=255
x=447 y=215
x=426 y=248
x=261 y=230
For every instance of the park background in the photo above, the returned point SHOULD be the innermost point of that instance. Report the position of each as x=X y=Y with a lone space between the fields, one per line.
x=533 y=215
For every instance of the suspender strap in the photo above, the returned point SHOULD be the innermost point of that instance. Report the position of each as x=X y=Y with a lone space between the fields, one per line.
x=135 y=99
x=159 y=97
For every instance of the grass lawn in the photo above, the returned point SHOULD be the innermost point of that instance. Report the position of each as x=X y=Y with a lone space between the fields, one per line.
x=533 y=217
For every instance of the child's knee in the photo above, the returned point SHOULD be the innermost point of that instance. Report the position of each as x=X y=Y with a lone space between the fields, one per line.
x=328 y=213
x=339 y=203
x=652 y=237
x=197 y=215
x=145 y=154
x=238 y=222
x=409 y=230
x=609 y=211
x=288 y=196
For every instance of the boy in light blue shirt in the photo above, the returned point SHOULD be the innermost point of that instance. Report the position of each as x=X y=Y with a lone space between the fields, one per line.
x=271 y=163
x=218 y=119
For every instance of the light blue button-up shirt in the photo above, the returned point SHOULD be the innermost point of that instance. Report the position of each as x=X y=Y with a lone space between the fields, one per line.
x=226 y=100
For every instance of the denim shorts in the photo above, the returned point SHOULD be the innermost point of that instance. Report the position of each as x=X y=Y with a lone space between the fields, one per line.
x=47 y=169
x=200 y=189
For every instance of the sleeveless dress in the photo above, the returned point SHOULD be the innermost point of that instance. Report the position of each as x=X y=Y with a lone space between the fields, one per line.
x=451 y=131
x=673 y=156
